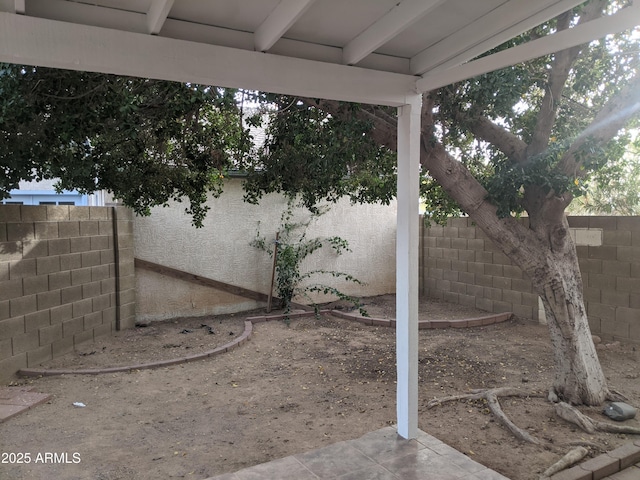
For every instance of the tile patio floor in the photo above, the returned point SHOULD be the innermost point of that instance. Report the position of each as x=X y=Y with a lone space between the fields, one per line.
x=15 y=400
x=379 y=455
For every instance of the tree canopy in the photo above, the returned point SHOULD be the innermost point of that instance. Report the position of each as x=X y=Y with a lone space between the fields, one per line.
x=146 y=141
x=151 y=141
x=546 y=123
x=317 y=155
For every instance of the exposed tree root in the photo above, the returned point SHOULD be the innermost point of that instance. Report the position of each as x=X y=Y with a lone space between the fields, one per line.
x=584 y=443
x=563 y=410
x=615 y=396
x=478 y=394
x=494 y=406
x=571 y=458
x=573 y=415
x=491 y=397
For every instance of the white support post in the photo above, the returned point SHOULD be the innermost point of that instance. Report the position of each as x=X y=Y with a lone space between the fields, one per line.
x=407 y=267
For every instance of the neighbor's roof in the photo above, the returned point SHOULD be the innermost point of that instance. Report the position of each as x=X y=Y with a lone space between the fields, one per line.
x=411 y=45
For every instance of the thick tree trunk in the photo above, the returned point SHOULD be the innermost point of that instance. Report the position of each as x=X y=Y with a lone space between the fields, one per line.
x=552 y=264
x=551 y=261
x=545 y=251
x=556 y=277
x=578 y=376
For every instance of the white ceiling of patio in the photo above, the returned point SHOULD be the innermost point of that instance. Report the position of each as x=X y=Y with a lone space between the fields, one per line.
x=385 y=46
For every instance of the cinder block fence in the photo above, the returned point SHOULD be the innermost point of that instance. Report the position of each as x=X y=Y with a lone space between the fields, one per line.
x=66 y=277
x=461 y=265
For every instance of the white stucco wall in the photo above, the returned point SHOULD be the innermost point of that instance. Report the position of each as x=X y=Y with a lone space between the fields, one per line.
x=221 y=251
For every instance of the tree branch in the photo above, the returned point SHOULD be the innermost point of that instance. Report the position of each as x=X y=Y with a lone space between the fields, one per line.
x=491 y=397
x=560 y=68
x=614 y=115
x=572 y=415
x=380 y=113
x=455 y=179
x=508 y=143
x=508 y=234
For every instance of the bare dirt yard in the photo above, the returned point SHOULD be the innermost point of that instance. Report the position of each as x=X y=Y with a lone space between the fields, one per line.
x=294 y=388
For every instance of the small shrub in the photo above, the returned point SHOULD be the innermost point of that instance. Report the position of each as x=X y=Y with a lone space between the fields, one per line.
x=293 y=248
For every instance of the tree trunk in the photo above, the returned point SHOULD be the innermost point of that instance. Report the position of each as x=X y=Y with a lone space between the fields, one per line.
x=546 y=252
x=579 y=379
x=550 y=259
x=552 y=264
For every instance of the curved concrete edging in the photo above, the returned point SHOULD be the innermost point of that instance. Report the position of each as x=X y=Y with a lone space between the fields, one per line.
x=427 y=324
x=248 y=330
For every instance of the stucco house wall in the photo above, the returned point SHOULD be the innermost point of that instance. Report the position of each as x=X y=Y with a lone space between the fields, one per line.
x=221 y=251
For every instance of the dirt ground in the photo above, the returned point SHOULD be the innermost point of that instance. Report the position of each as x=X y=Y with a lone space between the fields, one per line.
x=292 y=389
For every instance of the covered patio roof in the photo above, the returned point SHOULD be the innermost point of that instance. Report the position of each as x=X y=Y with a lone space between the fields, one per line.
x=372 y=51
x=385 y=52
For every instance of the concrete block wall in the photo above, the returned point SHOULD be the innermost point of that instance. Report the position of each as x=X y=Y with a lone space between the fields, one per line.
x=611 y=275
x=66 y=277
x=461 y=265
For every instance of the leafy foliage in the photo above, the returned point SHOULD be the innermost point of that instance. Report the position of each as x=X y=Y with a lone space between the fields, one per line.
x=319 y=156
x=511 y=99
x=146 y=141
x=506 y=188
x=293 y=247
x=614 y=189
x=439 y=206
x=150 y=141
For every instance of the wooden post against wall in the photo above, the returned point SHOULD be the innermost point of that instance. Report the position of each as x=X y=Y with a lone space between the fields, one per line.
x=273 y=272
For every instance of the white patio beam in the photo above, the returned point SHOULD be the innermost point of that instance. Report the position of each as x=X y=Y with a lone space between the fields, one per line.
x=407 y=267
x=518 y=29
x=49 y=43
x=157 y=15
x=626 y=18
x=19 y=7
x=488 y=32
x=278 y=22
x=91 y=15
x=399 y=18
